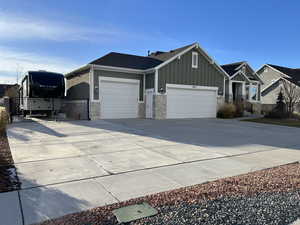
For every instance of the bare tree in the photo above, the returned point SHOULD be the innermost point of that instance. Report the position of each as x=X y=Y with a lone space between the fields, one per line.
x=291 y=94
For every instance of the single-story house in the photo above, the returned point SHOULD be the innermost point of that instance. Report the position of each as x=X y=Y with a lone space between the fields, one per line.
x=272 y=76
x=243 y=83
x=181 y=83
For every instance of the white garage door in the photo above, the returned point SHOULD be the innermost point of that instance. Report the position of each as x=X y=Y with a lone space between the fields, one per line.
x=188 y=102
x=119 y=98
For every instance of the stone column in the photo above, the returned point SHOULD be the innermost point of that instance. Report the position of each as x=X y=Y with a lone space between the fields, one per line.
x=159 y=106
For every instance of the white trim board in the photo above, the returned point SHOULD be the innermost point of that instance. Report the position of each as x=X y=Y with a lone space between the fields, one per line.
x=283 y=74
x=240 y=72
x=192 y=87
x=119 y=80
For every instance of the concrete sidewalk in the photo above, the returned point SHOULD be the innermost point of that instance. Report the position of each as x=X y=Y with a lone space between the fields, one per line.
x=68 y=167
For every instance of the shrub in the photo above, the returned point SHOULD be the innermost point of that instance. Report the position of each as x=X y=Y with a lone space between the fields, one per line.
x=227 y=111
x=279 y=112
x=3 y=118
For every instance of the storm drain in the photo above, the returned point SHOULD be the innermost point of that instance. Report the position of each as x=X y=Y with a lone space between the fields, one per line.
x=134 y=212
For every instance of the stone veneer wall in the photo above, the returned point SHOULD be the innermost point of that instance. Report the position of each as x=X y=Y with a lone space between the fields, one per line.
x=141 y=110
x=75 y=109
x=95 y=110
x=159 y=107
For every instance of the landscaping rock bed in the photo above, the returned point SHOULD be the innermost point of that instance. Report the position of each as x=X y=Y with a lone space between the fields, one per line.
x=269 y=196
x=8 y=177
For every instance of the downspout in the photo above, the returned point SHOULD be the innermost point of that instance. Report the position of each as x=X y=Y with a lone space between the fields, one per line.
x=156 y=82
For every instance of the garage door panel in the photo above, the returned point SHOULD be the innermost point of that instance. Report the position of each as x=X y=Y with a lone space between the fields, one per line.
x=190 y=103
x=119 y=99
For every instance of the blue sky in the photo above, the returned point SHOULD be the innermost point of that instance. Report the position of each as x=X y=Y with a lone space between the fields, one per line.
x=62 y=35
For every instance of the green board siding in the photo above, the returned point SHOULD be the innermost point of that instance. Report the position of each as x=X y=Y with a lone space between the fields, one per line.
x=103 y=73
x=150 y=80
x=180 y=71
x=239 y=77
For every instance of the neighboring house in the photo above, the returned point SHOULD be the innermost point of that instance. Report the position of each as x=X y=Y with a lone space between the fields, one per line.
x=4 y=88
x=181 y=83
x=243 y=84
x=272 y=77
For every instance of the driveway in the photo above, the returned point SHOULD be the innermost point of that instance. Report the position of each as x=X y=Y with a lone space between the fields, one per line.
x=66 y=167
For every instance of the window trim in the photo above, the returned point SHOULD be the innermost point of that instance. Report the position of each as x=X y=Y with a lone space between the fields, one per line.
x=197 y=60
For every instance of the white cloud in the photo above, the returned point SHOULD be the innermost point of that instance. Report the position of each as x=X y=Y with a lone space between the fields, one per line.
x=22 y=28
x=13 y=62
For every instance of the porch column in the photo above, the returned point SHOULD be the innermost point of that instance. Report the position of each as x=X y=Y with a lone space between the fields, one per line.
x=230 y=98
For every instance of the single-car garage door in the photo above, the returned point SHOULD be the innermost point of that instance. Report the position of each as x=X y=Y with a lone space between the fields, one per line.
x=119 y=98
x=185 y=101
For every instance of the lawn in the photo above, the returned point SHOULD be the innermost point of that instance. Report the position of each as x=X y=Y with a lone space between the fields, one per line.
x=281 y=122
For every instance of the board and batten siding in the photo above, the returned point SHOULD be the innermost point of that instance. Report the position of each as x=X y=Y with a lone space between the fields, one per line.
x=180 y=71
x=150 y=79
x=78 y=87
x=103 y=73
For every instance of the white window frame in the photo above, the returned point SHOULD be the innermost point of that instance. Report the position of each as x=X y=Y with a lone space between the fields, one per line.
x=195 y=63
x=257 y=92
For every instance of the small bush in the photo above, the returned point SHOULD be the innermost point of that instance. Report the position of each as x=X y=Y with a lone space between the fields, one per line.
x=227 y=111
x=277 y=114
x=3 y=119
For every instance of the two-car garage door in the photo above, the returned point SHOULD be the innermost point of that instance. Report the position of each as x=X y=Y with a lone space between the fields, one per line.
x=184 y=101
x=119 y=98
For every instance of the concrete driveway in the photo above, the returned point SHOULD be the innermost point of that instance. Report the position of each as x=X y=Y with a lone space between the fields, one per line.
x=66 y=167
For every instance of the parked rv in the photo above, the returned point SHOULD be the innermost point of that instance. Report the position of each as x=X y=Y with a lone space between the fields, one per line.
x=41 y=92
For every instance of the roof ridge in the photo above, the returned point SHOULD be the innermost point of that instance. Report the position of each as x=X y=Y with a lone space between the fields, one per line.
x=240 y=62
x=127 y=54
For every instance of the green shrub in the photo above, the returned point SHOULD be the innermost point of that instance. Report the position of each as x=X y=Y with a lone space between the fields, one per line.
x=3 y=119
x=227 y=111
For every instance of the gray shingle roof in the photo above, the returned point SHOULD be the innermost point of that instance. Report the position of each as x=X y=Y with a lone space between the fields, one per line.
x=137 y=62
x=127 y=61
x=231 y=68
x=293 y=73
x=163 y=56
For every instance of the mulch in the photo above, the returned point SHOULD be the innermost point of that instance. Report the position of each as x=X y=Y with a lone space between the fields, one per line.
x=8 y=177
x=284 y=180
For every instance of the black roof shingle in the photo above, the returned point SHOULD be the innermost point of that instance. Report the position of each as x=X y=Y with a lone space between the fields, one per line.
x=231 y=69
x=293 y=73
x=127 y=61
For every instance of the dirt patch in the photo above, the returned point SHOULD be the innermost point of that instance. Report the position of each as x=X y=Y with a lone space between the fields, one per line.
x=8 y=177
x=282 y=180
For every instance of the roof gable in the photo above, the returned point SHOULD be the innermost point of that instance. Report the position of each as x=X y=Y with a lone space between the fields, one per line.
x=164 y=56
x=232 y=68
x=293 y=74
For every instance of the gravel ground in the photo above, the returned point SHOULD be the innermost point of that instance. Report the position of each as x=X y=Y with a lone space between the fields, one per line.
x=8 y=177
x=264 y=197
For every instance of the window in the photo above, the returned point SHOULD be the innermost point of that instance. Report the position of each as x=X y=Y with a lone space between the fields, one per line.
x=247 y=92
x=266 y=69
x=194 y=59
x=254 y=92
